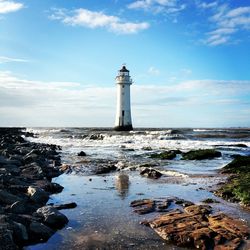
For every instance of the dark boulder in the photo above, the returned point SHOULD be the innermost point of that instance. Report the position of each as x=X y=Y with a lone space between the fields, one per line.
x=39 y=232
x=65 y=206
x=8 y=198
x=23 y=207
x=38 y=195
x=240 y=145
x=53 y=188
x=52 y=217
x=81 y=153
x=6 y=240
x=20 y=233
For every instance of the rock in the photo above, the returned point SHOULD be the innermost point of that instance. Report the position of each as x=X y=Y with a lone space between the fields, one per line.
x=201 y=154
x=8 y=198
x=18 y=207
x=96 y=137
x=38 y=195
x=238 y=185
x=198 y=209
x=22 y=207
x=65 y=206
x=13 y=169
x=195 y=227
x=143 y=206
x=241 y=164
x=30 y=158
x=3 y=161
x=183 y=203
x=52 y=172
x=66 y=168
x=20 y=233
x=240 y=145
x=52 y=217
x=209 y=200
x=54 y=188
x=150 y=173
x=24 y=219
x=81 y=153
x=166 y=155
x=33 y=171
x=6 y=240
x=40 y=232
x=229 y=228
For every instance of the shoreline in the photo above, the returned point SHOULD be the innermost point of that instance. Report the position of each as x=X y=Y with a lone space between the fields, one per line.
x=26 y=174
x=108 y=185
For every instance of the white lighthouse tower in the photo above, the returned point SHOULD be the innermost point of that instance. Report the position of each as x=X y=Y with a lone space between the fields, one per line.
x=123 y=121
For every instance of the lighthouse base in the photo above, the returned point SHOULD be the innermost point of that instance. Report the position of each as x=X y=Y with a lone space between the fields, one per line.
x=123 y=128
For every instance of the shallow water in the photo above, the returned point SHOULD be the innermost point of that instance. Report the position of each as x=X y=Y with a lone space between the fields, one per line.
x=103 y=218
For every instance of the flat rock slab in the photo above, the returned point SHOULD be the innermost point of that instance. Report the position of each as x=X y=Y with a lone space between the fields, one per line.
x=195 y=226
x=145 y=206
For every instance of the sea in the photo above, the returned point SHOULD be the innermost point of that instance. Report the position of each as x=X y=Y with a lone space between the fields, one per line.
x=103 y=218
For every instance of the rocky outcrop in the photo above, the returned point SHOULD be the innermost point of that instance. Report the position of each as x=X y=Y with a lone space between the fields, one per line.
x=195 y=226
x=237 y=186
x=26 y=170
x=240 y=165
x=201 y=154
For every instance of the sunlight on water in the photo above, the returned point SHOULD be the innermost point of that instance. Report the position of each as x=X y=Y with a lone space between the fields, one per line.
x=103 y=216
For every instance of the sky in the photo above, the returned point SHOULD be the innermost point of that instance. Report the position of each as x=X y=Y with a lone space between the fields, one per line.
x=189 y=60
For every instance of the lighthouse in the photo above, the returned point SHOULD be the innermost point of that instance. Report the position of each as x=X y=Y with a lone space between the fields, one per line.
x=123 y=121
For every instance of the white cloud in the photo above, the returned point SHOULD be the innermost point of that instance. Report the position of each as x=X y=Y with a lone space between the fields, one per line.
x=227 y=23
x=205 y=5
x=5 y=59
x=238 y=12
x=93 y=19
x=9 y=6
x=158 y=6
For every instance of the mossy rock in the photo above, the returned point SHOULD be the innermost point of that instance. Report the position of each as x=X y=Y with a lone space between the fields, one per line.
x=201 y=154
x=166 y=155
x=237 y=189
x=241 y=164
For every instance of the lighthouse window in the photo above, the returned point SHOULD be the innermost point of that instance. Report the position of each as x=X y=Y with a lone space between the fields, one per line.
x=123 y=86
x=123 y=113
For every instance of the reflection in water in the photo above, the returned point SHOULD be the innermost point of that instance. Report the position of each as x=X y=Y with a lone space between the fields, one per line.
x=122 y=185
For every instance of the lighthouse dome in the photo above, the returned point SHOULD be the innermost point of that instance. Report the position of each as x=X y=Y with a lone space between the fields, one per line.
x=123 y=69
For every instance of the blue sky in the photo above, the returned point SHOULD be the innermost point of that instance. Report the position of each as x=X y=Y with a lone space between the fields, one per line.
x=189 y=61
